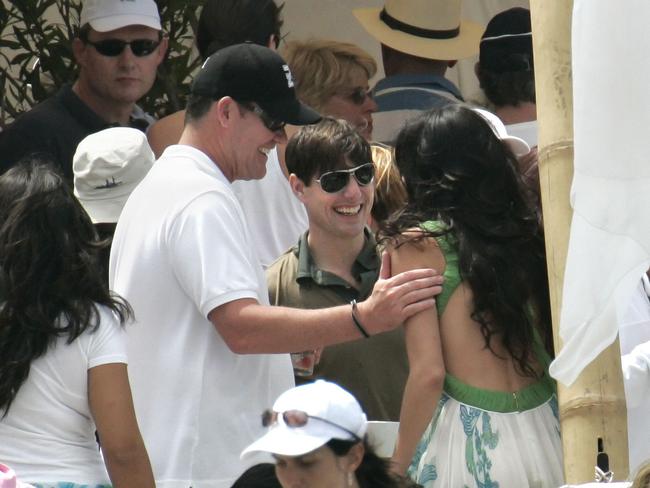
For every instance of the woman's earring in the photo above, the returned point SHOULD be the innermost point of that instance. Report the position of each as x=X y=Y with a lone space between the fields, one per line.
x=350 y=482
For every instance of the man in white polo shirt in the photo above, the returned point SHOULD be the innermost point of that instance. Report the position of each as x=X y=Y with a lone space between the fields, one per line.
x=205 y=348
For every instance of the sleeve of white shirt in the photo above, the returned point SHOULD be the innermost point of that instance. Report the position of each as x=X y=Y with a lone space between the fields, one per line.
x=636 y=374
x=107 y=344
x=210 y=252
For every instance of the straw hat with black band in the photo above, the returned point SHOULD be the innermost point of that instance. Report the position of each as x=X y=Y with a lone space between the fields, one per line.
x=429 y=29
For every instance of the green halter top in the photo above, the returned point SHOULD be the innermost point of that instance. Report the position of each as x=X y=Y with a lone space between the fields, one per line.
x=496 y=401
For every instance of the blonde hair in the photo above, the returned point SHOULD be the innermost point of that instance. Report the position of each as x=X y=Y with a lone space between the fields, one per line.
x=390 y=192
x=322 y=67
x=642 y=476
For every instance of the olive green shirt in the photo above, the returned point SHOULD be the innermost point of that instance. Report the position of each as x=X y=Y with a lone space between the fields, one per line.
x=374 y=370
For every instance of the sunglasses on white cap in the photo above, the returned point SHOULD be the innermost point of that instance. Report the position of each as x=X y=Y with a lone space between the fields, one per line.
x=298 y=418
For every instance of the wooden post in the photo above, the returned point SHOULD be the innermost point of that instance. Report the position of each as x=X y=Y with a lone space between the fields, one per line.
x=594 y=406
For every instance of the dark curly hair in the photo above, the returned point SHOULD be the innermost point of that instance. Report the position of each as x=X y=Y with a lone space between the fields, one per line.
x=506 y=68
x=50 y=281
x=226 y=22
x=458 y=172
x=511 y=88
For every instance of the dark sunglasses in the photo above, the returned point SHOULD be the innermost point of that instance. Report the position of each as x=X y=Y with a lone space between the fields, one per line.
x=269 y=122
x=115 y=47
x=358 y=95
x=298 y=418
x=335 y=181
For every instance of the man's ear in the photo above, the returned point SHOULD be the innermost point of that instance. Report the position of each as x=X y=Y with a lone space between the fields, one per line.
x=225 y=110
x=273 y=42
x=297 y=186
x=79 y=50
x=162 y=49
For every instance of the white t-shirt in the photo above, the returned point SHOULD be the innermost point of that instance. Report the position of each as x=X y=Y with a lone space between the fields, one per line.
x=48 y=433
x=181 y=249
x=275 y=217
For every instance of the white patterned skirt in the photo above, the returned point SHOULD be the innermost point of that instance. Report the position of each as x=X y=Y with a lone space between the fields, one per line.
x=509 y=441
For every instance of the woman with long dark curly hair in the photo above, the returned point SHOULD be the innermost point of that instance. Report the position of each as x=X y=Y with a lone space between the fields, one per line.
x=479 y=409
x=62 y=354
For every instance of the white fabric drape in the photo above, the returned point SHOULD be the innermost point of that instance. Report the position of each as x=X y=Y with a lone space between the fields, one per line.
x=634 y=334
x=609 y=247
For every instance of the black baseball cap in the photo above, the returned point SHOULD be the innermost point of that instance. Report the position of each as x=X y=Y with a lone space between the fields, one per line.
x=507 y=44
x=252 y=73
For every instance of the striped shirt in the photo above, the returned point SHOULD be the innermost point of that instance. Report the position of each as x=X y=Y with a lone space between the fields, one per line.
x=402 y=97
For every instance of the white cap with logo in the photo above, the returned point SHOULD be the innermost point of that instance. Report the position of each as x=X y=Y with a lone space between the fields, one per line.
x=108 y=15
x=108 y=165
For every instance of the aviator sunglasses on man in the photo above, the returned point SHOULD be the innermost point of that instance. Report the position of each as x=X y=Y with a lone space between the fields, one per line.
x=115 y=47
x=335 y=181
x=298 y=418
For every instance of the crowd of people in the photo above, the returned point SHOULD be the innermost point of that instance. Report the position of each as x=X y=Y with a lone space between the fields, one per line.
x=393 y=231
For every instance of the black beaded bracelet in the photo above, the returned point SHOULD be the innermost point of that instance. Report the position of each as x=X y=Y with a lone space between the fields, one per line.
x=356 y=320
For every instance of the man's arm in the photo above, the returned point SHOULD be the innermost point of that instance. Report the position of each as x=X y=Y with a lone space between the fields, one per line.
x=248 y=327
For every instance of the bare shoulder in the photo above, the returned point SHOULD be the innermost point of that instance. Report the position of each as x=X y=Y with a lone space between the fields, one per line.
x=412 y=249
x=165 y=132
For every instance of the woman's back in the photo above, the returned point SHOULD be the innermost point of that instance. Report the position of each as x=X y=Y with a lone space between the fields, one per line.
x=493 y=426
x=466 y=356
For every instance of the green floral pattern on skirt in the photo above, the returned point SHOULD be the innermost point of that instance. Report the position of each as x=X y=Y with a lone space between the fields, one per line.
x=471 y=447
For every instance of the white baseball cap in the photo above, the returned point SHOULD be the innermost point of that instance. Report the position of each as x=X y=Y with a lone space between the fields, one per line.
x=108 y=15
x=107 y=166
x=330 y=413
x=518 y=146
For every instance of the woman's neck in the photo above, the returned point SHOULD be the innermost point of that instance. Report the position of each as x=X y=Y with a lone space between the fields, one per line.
x=515 y=114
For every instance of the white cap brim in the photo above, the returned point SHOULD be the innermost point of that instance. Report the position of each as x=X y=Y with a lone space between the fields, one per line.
x=286 y=441
x=104 y=211
x=518 y=146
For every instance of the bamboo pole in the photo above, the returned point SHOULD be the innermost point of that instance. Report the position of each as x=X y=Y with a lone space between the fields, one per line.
x=594 y=406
